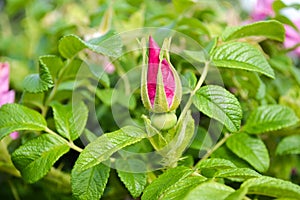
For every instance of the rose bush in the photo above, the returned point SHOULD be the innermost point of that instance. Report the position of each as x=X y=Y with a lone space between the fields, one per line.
x=149 y=100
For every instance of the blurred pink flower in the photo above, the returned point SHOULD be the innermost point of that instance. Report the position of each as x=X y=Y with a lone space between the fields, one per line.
x=292 y=37
x=102 y=60
x=6 y=95
x=262 y=10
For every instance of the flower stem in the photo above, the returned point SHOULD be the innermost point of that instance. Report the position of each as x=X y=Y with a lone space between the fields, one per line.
x=220 y=143
x=14 y=190
x=70 y=143
x=292 y=48
x=199 y=84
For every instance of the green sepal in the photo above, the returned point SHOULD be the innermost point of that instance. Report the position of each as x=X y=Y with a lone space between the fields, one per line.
x=178 y=89
x=184 y=133
x=155 y=137
x=160 y=102
x=144 y=90
x=178 y=86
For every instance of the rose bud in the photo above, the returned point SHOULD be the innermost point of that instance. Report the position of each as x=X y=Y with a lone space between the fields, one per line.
x=161 y=87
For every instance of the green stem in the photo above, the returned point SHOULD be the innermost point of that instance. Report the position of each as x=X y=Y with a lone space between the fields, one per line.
x=70 y=143
x=199 y=84
x=54 y=89
x=292 y=48
x=219 y=144
x=14 y=190
x=49 y=99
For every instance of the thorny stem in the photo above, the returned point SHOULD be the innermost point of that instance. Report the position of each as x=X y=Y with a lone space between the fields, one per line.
x=199 y=84
x=70 y=143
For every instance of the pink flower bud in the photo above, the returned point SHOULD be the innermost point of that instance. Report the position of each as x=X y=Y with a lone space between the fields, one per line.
x=161 y=86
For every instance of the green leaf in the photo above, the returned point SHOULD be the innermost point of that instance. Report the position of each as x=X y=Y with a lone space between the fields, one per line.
x=109 y=45
x=225 y=153
x=90 y=183
x=248 y=84
x=100 y=73
x=202 y=140
x=285 y=20
x=192 y=26
x=270 y=29
x=239 y=55
x=289 y=145
x=134 y=182
x=277 y=6
x=216 y=102
x=179 y=190
x=39 y=82
x=178 y=144
x=160 y=185
x=272 y=187
x=270 y=118
x=182 y=5
x=237 y=174
x=215 y=163
x=105 y=95
x=189 y=81
x=209 y=191
x=15 y=117
x=72 y=69
x=70 y=120
x=35 y=100
x=107 y=144
x=251 y=149
x=35 y=158
x=53 y=63
x=238 y=194
x=198 y=56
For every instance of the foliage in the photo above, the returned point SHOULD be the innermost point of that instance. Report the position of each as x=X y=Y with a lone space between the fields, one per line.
x=85 y=134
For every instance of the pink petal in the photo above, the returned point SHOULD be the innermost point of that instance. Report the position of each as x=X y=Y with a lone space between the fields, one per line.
x=4 y=77
x=153 y=64
x=151 y=92
x=292 y=34
x=7 y=97
x=262 y=10
x=154 y=51
x=169 y=81
x=292 y=37
x=14 y=135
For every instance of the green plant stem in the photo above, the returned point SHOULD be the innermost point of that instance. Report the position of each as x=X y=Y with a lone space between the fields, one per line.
x=292 y=48
x=199 y=84
x=14 y=190
x=70 y=143
x=220 y=143
x=54 y=89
